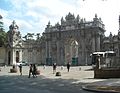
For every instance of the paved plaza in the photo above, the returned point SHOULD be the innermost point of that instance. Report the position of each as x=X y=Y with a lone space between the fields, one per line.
x=47 y=82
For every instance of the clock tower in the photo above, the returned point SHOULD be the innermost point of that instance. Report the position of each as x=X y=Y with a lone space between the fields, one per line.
x=14 y=50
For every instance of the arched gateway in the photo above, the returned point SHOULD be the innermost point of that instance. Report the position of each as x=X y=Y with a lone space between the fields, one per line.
x=73 y=40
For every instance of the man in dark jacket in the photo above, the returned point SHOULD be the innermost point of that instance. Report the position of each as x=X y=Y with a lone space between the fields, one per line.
x=68 y=66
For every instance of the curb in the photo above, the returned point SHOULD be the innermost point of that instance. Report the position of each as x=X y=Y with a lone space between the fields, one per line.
x=92 y=89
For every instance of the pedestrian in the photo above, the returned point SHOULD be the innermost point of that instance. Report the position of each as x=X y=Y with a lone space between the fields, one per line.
x=34 y=71
x=30 y=70
x=20 y=69
x=68 y=66
x=4 y=65
x=62 y=67
x=79 y=68
x=44 y=66
x=54 y=68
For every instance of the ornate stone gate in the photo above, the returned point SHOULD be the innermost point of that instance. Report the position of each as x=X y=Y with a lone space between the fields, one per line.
x=73 y=40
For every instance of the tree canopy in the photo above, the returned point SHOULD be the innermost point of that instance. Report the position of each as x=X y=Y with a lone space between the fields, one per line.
x=3 y=34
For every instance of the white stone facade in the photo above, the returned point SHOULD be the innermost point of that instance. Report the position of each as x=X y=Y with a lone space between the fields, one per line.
x=72 y=40
x=14 y=47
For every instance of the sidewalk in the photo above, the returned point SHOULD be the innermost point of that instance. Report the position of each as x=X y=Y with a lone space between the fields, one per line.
x=106 y=86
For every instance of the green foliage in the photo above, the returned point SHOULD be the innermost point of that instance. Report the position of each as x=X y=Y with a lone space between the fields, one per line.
x=3 y=35
x=3 y=38
x=1 y=24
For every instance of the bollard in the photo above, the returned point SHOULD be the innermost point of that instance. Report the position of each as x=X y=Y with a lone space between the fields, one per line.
x=58 y=73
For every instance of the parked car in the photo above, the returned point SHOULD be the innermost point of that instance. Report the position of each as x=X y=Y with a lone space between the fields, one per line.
x=23 y=63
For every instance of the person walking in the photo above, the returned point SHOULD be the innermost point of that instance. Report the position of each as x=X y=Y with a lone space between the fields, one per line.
x=44 y=66
x=68 y=66
x=30 y=70
x=34 y=71
x=54 y=68
x=20 y=69
x=62 y=67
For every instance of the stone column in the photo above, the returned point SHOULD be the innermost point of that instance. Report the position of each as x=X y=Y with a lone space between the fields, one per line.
x=48 y=52
x=20 y=55
x=58 y=52
x=98 y=42
x=46 y=49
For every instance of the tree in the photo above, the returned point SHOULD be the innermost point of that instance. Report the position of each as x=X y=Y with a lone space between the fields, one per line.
x=3 y=38
x=3 y=34
x=30 y=35
x=1 y=24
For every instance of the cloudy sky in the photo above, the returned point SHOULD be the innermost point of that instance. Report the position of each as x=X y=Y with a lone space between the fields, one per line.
x=33 y=15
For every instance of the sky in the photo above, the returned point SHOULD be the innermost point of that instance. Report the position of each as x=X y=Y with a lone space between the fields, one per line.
x=32 y=16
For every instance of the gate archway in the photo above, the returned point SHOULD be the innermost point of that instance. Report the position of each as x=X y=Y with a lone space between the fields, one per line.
x=71 y=52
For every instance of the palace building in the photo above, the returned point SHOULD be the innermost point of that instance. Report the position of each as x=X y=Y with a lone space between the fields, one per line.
x=72 y=40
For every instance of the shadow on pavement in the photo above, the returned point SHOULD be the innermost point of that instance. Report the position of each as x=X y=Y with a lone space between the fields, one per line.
x=41 y=84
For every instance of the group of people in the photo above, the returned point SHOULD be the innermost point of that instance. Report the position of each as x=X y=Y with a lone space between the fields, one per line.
x=32 y=71
x=55 y=66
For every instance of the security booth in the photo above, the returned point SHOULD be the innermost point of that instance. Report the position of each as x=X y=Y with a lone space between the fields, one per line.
x=106 y=69
x=98 y=56
x=106 y=58
x=109 y=58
